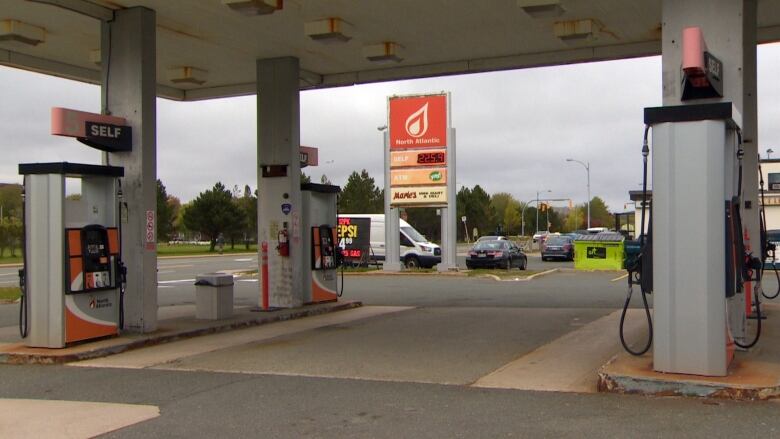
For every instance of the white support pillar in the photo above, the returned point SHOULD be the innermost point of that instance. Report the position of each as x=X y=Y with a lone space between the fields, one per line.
x=128 y=50
x=392 y=219
x=449 y=215
x=278 y=143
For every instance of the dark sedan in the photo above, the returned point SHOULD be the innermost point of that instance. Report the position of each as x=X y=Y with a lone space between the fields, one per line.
x=496 y=254
x=558 y=247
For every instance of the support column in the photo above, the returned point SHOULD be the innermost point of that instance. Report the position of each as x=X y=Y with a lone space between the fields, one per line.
x=392 y=219
x=279 y=177
x=449 y=215
x=129 y=63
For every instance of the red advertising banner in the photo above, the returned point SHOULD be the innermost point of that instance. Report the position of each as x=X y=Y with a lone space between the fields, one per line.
x=418 y=121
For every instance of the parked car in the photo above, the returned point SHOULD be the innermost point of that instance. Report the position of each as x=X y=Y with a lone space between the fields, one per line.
x=558 y=247
x=491 y=238
x=496 y=254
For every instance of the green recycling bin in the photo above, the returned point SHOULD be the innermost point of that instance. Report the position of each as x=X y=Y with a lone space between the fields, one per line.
x=602 y=251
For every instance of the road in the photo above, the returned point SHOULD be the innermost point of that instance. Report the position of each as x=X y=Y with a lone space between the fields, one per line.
x=408 y=364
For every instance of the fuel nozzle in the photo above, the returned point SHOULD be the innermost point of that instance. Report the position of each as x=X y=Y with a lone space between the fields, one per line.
x=645 y=146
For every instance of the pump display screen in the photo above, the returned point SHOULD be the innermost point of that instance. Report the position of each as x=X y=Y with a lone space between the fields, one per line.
x=354 y=236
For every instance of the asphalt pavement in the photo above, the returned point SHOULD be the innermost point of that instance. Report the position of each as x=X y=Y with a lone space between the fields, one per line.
x=405 y=365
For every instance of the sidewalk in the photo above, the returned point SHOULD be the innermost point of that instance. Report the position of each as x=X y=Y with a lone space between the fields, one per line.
x=753 y=375
x=176 y=323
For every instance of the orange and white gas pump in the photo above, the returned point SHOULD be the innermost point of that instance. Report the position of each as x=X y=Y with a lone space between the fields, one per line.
x=73 y=275
x=320 y=281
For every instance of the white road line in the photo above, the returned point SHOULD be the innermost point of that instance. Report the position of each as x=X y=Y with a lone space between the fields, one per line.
x=6 y=282
x=247 y=280
x=9 y=274
x=166 y=271
x=174 y=266
x=175 y=281
x=244 y=260
x=618 y=278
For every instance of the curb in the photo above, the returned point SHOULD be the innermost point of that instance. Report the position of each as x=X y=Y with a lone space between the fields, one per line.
x=151 y=340
x=522 y=279
x=406 y=273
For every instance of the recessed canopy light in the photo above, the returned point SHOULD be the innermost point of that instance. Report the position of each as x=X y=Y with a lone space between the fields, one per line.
x=15 y=31
x=254 y=7
x=575 y=30
x=387 y=52
x=329 y=30
x=541 y=8
x=187 y=75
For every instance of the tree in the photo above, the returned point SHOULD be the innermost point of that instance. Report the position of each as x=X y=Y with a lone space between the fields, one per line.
x=305 y=178
x=165 y=214
x=213 y=213
x=576 y=219
x=599 y=214
x=10 y=200
x=475 y=205
x=10 y=235
x=324 y=179
x=360 y=195
x=528 y=222
x=10 y=218
x=247 y=205
x=426 y=221
x=507 y=212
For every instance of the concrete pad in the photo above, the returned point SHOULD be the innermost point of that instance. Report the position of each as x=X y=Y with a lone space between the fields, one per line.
x=168 y=330
x=430 y=345
x=754 y=374
x=169 y=352
x=28 y=418
x=570 y=363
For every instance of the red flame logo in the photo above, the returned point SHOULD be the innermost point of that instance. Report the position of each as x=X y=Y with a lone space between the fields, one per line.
x=417 y=123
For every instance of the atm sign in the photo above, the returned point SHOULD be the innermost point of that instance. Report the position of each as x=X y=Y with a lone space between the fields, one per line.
x=418 y=176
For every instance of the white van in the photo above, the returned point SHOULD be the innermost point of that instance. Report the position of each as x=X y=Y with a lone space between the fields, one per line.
x=416 y=250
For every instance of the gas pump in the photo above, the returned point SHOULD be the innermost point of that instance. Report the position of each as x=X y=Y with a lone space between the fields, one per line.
x=696 y=274
x=320 y=282
x=73 y=275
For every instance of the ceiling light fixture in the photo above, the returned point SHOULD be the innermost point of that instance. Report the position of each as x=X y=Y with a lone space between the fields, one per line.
x=329 y=30
x=386 y=52
x=187 y=75
x=541 y=8
x=16 y=31
x=576 y=30
x=254 y=7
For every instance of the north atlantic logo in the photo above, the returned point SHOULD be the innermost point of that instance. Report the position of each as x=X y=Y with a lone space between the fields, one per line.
x=417 y=124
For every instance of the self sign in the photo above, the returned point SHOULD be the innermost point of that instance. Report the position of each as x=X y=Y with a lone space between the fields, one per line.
x=108 y=137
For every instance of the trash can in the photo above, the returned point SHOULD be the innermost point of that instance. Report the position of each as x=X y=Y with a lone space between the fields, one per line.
x=602 y=251
x=213 y=296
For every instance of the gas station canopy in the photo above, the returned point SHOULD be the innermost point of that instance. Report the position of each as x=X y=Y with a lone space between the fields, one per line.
x=207 y=48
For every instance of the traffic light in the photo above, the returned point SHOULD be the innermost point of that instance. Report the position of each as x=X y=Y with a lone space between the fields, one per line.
x=571 y=205
x=543 y=207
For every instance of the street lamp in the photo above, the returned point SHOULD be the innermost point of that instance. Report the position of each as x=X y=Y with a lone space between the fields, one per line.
x=769 y=152
x=587 y=169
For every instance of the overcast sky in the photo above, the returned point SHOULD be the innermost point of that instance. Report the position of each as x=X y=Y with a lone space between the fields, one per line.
x=514 y=129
